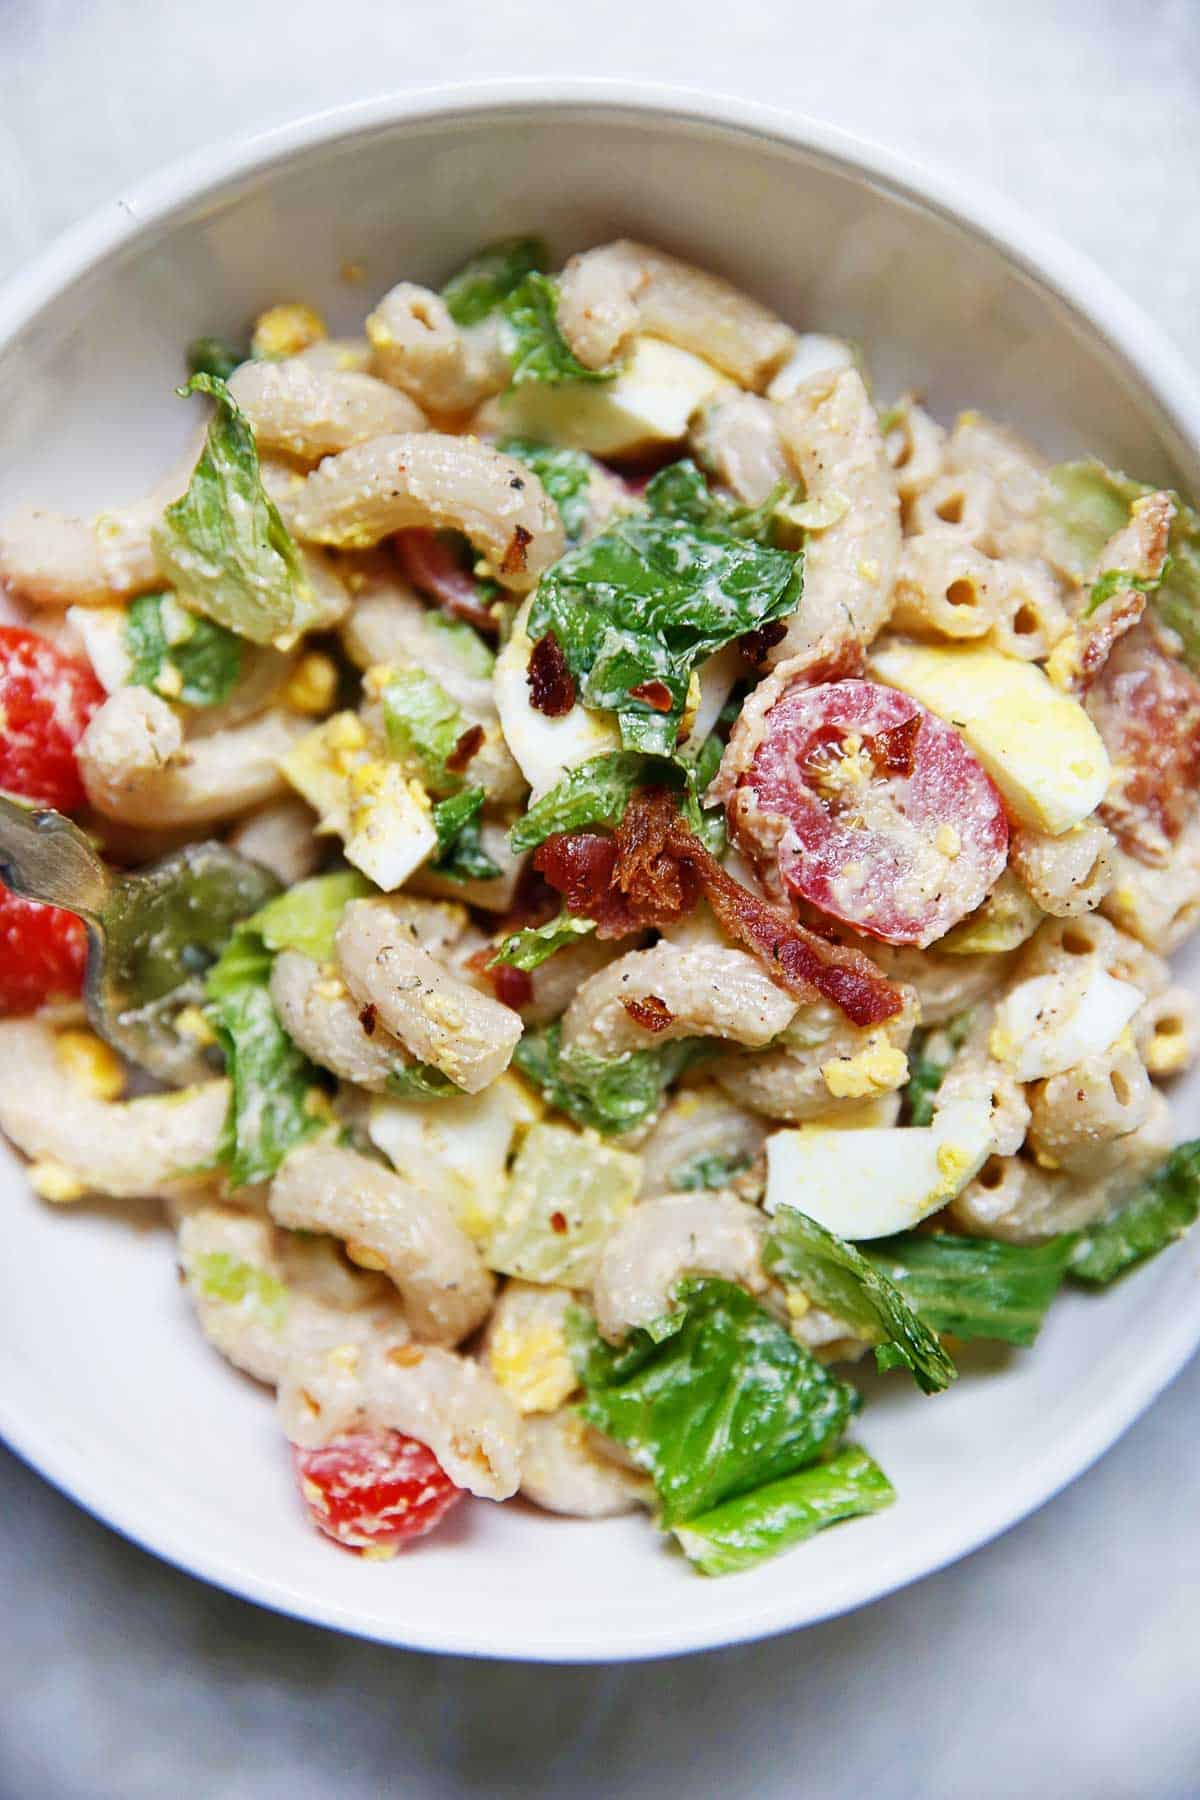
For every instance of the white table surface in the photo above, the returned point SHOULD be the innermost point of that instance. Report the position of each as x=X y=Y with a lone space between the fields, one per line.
x=1061 y=1661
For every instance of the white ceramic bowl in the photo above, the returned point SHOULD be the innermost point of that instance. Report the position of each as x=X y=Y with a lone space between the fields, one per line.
x=105 y=1383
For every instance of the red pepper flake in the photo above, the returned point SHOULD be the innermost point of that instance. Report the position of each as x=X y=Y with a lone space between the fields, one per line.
x=656 y=694
x=516 y=555
x=651 y=1012
x=558 y=1223
x=368 y=1018
x=469 y=744
x=551 y=684
x=755 y=644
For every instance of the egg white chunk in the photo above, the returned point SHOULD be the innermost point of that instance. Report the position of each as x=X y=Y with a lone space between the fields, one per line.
x=456 y=1149
x=544 y=749
x=649 y=403
x=883 y=1179
x=1052 y=1022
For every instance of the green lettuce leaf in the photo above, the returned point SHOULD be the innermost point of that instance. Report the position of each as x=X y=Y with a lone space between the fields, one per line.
x=710 y=1171
x=839 y=1278
x=752 y=1527
x=680 y=491
x=647 y=600
x=539 y=351
x=611 y=1097
x=930 y=1055
x=421 y=1081
x=974 y=1287
x=1120 y=581
x=535 y=944
x=307 y=917
x=1160 y=1211
x=566 y=476
x=423 y=725
x=1085 y=503
x=469 y=647
x=718 y=1400
x=486 y=281
x=161 y=636
x=224 y=547
x=214 y=356
x=220 y=1276
x=595 y=793
x=566 y=1194
x=461 y=854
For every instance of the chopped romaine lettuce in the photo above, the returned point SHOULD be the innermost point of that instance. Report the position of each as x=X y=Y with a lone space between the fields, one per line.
x=306 y=917
x=1161 y=1210
x=179 y=654
x=680 y=492
x=612 y=1097
x=595 y=793
x=717 y=1400
x=930 y=1055
x=839 y=1278
x=1085 y=504
x=566 y=476
x=423 y=725
x=565 y=1195
x=224 y=547
x=539 y=352
x=752 y=1527
x=711 y=1170
x=640 y=605
x=483 y=283
x=974 y=1287
x=214 y=356
x=461 y=854
x=421 y=1081
x=1120 y=581
x=220 y=1276
x=469 y=647
x=535 y=944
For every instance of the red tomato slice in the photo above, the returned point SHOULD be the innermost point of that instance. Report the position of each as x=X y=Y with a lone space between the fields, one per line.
x=374 y=1488
x=879 y=814
x=43 y=952
x=46 y=700
x=1146 y=707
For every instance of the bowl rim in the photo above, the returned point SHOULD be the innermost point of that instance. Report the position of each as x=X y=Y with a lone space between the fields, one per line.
x=1095 y=301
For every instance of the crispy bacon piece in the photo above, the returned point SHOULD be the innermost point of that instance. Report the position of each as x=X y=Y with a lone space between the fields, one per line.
x=551 y=684
x=652 y=872
x=469 y=744
x=1104 y=630
x=1146 y=707
x=429 y=562
x=512 y=987
x=516 y=553
x=656 y=694
x=755 y=644
x=651 y=1012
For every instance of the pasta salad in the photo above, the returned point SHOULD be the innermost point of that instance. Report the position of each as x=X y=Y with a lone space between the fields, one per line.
x=600 y=873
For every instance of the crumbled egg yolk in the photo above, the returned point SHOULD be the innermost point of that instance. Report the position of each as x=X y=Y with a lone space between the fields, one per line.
x=286 y=330
x=51 y=1180
x=190 y=1022
x=92 y=1062
x=311 y=688
x=532 y=1364
x=169 y=681
x=877 y=1069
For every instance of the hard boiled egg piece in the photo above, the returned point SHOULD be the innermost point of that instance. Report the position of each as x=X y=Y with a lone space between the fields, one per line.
x=543 y=748
x=874 y=1182
x=1037 y=744
x=456 y=1149
x=648 y=403
x=1052 y=1022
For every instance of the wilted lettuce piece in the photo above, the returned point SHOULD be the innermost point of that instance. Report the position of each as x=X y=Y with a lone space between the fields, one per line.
x=220 y=1276
x=423 y=725
x=1161 y=1210
x=716 y=1402
x=929 y=1057
x=276 y=1090
x=612 y=1097
x=535 y=944
x=214 y=356
x=490 y=277
x=1085 y=504
x=565 y=1195
x=595 y=793
x=758 y=1525
x=461 y=854
x=974 y=1287
x=179 y=654
x=306 y=918
x=710 y=1171
x=637 y=608
x=421 y=1081
x=566 y=476
x=680 y=491
x=469 y=647
x=538 y=351
x=839 y=1278
x=224 y=547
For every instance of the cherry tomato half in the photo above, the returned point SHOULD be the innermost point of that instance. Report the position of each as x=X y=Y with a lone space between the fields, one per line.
x=43 y=952
x=46 y=700
x=374 y=1488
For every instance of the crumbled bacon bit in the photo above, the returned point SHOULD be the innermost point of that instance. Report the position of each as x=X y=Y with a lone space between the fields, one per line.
x=551 y=684
x=469 y=744
x=755 y=644
x=515 y=556
x=1111 y=620
x=429 y=562
x=368 y=1018
x=656 y=694
x=558 y=1223
x=512 y=987
x=651 y=1012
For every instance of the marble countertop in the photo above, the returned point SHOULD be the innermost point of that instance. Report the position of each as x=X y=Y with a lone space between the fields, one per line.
x=1058 y=1661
